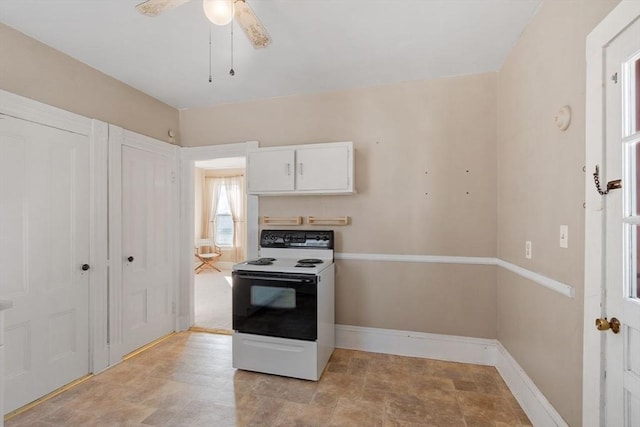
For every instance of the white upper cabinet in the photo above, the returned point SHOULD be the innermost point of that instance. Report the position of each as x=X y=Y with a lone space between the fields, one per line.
x=321 y=168
x=301 y=169
x=271 y=170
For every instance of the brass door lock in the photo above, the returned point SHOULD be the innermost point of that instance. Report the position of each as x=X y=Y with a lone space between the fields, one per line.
x=604 y=324
x=616 y=184
x=611 y=185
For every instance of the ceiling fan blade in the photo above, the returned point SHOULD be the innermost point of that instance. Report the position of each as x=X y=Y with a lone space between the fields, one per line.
x=156 y=7
x=251 y=25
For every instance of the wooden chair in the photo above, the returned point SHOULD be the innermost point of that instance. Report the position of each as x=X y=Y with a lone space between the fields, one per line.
x=207 y=259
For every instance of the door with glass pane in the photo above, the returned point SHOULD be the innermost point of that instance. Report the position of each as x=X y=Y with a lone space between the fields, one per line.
x=622 y=133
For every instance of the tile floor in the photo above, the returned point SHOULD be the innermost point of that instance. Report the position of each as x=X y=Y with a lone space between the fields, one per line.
x=187 y=380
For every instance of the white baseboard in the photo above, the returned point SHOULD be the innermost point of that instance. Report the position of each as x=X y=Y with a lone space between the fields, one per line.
x=530 y=398
x=452 y=348
x=417 y=344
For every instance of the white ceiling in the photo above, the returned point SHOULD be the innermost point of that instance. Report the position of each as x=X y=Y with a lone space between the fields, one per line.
x=317 y=45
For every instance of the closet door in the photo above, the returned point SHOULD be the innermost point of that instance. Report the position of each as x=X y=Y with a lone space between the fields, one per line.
x=44 y=256
x=148 y=244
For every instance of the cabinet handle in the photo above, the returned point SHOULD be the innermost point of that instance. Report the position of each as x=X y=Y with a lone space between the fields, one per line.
x=288 y=168
x=300 y=168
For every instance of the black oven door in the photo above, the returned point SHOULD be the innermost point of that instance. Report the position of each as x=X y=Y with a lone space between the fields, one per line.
x=281 y=305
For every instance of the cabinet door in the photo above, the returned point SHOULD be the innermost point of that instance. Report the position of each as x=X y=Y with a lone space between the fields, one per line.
x=323 y=169
x=270 y=171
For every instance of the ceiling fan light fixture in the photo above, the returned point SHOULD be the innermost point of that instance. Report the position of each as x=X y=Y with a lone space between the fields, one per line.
x=220 y=12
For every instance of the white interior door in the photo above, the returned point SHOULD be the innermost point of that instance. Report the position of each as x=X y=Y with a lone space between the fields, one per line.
x=44 y=235
x=148 y=246
x=622 y=250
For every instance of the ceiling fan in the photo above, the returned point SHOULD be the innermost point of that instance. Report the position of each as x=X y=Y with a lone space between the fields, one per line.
x=244 y=15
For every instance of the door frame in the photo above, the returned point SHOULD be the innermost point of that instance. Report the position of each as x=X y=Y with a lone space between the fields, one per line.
x=188 y=156
x=119 y=137
x=593 y=398
x=97 y=132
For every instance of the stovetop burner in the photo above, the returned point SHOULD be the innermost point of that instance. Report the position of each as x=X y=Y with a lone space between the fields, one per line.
x=261 y=261
x=310 y=261
x=291 y=251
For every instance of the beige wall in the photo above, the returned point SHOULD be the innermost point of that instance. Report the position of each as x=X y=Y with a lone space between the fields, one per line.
x=439 y=164
x=540 y=187
x=36 y=71
x=414 y=143
x=448 y=299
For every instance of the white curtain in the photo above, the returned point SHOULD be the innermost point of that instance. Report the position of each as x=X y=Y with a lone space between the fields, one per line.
x=235 y=193
x=212 y=187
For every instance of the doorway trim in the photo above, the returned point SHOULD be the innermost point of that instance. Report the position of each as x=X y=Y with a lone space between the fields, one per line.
x=188 y=156
x=593 y=398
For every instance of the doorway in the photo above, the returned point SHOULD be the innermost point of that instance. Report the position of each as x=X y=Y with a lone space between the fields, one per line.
x=220 y=238
x=189 y=157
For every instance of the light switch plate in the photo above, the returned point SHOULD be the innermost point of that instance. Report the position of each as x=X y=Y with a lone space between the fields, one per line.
x=527 y=249
x=564 y=236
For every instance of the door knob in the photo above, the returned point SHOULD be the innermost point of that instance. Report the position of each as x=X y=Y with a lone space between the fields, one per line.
x=130 y=259
x=604 y=324
x=85 y=267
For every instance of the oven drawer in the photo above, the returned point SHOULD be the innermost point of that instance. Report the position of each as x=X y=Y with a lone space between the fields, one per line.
x=278 y=356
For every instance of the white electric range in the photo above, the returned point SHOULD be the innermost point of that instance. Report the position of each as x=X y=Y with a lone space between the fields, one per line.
x=283 y=305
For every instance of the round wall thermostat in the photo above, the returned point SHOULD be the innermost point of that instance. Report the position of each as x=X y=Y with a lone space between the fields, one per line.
x=563 y=118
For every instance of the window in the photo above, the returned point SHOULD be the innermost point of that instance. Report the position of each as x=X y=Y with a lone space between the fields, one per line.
x=224 y=220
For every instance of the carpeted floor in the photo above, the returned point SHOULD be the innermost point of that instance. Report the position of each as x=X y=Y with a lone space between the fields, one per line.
x=213 y=300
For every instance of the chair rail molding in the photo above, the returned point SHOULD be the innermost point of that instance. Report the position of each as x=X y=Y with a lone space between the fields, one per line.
x=540 y=279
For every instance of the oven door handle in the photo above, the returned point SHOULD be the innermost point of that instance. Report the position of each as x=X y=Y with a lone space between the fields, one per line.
x=275 y=279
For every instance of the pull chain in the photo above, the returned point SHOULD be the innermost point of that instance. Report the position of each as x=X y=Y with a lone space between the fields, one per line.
x=596 y=179
x=231 y=71
x=611 y=185
x=210 y=75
